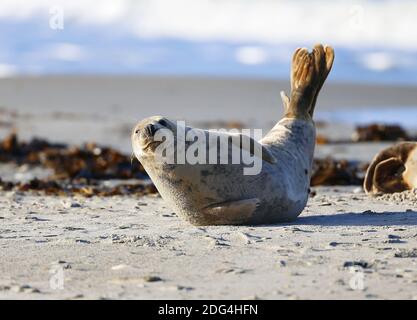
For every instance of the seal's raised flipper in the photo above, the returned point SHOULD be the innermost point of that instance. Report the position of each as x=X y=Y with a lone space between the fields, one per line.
x=231 y=212
x=324 y=57
x=308 y=73
x=303 y=86
x=253 y=147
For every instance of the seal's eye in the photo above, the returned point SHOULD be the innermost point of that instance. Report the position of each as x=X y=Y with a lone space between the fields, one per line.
x=137 y=131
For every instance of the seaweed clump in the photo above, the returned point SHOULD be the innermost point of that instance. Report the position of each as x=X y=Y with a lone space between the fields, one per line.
x=331 y=172
x=76 y=169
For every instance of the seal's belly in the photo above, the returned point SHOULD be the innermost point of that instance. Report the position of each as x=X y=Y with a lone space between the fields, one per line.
x=204 y=185
x=190 y=189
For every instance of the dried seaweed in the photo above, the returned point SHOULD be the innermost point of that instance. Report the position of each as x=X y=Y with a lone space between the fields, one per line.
x=379 y=132
x=65 y=188
x=373 y=132
x=89 y=161
x=333 y=172
x=76 y=169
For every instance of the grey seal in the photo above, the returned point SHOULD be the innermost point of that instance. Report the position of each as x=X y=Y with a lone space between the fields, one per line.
x=221 y=194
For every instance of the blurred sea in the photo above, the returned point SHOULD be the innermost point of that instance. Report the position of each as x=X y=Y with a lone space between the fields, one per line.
x=404 y=116
x=375 y=41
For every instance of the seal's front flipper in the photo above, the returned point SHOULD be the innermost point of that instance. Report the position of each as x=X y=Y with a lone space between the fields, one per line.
x=254 y=148
x=231 y=212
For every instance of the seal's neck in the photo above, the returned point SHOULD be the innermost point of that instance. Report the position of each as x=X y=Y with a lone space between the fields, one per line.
x=289 y=126
x=292 y=133
x=298 y=106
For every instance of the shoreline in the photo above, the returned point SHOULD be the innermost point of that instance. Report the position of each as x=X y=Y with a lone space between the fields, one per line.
x=104 y=109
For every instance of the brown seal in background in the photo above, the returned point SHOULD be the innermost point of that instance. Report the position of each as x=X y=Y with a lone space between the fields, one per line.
x=394 y=169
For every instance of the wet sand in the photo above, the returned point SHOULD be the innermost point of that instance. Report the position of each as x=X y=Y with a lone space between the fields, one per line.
x=104 y=109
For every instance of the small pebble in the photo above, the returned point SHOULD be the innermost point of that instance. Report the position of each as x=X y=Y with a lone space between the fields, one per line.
x=70 y=204
x=119 y=267
x=150 y=278
x=358 y=190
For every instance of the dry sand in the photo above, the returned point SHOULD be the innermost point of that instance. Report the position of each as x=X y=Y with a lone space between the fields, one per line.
x=344 y=245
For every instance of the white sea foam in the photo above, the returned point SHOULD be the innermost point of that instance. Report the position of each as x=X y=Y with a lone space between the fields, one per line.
x=233 y=37
x=7 y=70
x=355 y=23
x=66 y=52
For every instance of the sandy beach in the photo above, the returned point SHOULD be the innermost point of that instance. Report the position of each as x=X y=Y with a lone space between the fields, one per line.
x=344 y=245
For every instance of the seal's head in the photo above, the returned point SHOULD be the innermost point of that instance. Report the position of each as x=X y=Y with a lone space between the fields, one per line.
x=393 y=169
x=143 y=135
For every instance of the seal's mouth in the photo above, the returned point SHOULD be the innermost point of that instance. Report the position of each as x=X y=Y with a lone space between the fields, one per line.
x=151 y=145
